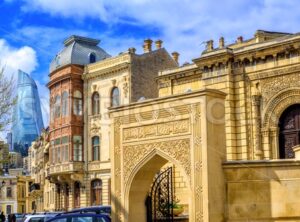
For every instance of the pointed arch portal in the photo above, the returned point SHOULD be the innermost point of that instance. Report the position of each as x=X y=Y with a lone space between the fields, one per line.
x=149 y=137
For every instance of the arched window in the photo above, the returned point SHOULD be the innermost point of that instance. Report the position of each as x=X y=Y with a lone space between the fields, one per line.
x=96 y=192
x=57 y=107
x=96 y=148
x=77 y=103
x=289 y=130
x=92 y=58
x=115 y=97
x=95 y=103
x=65 y=108
x=76 y=194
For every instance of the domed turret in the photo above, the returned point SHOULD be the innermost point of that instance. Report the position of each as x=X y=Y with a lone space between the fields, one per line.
x=80 y=51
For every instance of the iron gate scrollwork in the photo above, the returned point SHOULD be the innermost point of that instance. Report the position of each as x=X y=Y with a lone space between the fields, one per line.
x=159 y=202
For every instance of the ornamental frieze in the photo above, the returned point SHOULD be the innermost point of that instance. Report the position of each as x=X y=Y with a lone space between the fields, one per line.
x=179 y=150
x=275 y=73
x=272 y=86
x=157 y=130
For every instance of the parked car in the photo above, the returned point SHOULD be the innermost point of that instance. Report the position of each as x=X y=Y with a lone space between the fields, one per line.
x=39 y=217
x=93 y=209
x=81 y=217
x=19 y=217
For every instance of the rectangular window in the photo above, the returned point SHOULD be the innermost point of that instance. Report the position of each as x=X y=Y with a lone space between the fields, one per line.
x=77 y=106
x=8 y=209
x=58 y=154
x=51 y=156
x=57 y=141
x=65 y=149
x=66 y=153
x=77 y=148
x=8 y=192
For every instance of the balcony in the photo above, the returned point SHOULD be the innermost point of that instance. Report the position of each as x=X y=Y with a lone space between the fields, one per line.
x=66 y=168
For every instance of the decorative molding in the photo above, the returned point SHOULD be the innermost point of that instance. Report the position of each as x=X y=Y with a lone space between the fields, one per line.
x=275 y=73
x=157 y=130
x=271 y=86
x=277 y=105
x=179 y=150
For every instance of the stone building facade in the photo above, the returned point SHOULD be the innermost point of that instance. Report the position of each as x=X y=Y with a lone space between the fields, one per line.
x=249 y=156
x=113 y=82
x=8 y=194
x=228 y=124
x=84 y=83
x=40 y=190
x=4 y=157
x=66 y=121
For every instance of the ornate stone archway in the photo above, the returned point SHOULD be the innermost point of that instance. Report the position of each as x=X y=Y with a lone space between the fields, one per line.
x=271 y=114
x=165 y=130
x=139 y=182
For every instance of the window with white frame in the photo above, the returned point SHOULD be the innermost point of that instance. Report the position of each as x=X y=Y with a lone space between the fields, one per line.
x=96 y=148
x=77 y=148
x=65 y=104
x=77 y=107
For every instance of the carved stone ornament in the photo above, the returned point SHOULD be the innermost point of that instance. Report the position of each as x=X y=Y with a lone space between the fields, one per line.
x=275 y=107
x=125 y=89
x=179 y=150
x=156 y=130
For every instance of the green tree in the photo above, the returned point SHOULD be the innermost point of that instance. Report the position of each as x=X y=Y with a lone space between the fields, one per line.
x=7 y=99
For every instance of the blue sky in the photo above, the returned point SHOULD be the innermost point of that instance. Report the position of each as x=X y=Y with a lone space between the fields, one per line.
x=32 y=31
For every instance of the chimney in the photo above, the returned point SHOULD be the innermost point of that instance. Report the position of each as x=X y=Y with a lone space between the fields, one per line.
x=239 y=39
x=209 y=45
x=175 y=56
x=132 y=50
x=221 y=43
x=158 y=44
x=147 y=45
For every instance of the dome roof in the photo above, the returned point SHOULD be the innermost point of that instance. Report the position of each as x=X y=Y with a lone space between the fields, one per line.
x=77 y=50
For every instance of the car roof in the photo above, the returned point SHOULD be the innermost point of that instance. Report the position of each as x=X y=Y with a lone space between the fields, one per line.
x=36 y=215
x=78 y=215
x=93 y=207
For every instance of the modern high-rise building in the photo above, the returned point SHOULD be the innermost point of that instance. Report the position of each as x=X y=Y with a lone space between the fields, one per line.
x=9 y=141
x=27 y=118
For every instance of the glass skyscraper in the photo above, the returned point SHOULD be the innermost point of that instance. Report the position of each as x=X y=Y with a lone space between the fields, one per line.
x=27 y=117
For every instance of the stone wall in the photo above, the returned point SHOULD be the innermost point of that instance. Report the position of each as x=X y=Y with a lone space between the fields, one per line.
x=262 y=190
x=145 y=69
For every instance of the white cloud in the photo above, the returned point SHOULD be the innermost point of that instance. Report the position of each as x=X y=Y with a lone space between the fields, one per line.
x=24 y=58
x=184 y=24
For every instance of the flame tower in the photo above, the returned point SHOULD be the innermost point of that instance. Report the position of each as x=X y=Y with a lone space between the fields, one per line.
x=27 y=117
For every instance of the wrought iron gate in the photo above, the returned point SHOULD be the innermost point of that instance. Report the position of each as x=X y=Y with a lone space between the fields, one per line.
x=160 y=200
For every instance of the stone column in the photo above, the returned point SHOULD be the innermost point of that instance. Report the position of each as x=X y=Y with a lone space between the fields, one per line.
x=57 y=197
x=258 y=152
x=71 y=195
x=266 y=147
x=274 y=142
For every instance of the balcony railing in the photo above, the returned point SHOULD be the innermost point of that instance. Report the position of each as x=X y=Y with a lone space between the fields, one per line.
x=66 y=168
